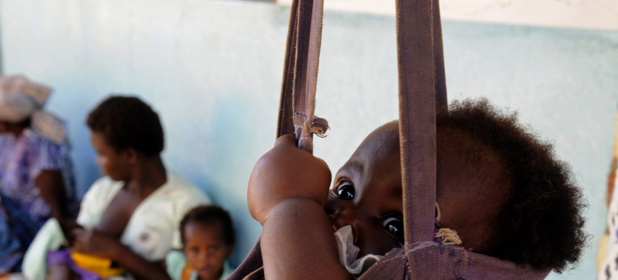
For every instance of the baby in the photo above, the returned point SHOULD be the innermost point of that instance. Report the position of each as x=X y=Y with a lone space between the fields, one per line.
x=208 y=240
x=498 y=187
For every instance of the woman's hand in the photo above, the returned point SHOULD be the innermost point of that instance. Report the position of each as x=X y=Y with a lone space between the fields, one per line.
x=286 y=172
x=92 y=243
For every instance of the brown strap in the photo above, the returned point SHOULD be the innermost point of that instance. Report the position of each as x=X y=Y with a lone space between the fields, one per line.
x=285 y=125
x=300 y=72
x=422 y=88
x=438 y=55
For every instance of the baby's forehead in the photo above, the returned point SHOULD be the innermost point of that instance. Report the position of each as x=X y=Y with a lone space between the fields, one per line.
x=380 y=143
x=193 y=226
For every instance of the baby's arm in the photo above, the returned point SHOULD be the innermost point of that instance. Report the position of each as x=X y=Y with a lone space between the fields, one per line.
x=287 y=192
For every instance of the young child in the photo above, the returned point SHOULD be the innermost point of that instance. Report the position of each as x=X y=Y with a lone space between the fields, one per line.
x=208 y=239
x=498 y=187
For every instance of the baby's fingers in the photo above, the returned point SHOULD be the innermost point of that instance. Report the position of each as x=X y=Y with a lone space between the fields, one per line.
x=286 y=140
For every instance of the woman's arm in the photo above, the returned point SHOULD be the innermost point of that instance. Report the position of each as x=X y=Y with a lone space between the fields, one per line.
x=51 y=187
x=96 y=244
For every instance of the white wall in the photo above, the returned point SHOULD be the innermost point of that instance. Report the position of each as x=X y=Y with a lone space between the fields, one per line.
x=589 y=14
x=213 y=72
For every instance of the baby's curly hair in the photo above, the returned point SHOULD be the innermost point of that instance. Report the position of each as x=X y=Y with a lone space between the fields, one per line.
x=541 y=223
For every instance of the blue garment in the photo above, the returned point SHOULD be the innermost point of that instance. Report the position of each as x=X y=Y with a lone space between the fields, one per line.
x=22 y=208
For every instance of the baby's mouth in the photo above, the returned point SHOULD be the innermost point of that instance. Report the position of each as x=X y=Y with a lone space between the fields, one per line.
x=205 y=269
x=348 y=252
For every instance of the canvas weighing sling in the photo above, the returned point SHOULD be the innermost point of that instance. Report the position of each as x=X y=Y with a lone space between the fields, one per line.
x=422 y=89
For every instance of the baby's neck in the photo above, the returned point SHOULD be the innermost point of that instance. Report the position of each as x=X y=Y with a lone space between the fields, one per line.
x=216 y=277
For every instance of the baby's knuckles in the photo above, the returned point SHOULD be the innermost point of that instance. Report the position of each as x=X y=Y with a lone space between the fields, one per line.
x=286 y=172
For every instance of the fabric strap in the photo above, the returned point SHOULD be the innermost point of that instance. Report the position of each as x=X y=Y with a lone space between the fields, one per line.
x=300 y=73
x=421 y=88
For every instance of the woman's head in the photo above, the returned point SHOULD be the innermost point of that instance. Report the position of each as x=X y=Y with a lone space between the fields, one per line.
x=208 y=240
x=122 y=130
x=127 y=122
x=19 y=100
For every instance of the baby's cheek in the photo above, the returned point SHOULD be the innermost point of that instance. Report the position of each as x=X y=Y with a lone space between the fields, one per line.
x=377 y=242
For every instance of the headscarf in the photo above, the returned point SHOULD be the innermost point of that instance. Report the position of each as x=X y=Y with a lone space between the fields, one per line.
x=21 y=99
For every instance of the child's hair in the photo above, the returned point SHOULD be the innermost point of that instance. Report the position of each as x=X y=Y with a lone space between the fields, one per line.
x=540 y=223
x=211 y=215
x=128 y=122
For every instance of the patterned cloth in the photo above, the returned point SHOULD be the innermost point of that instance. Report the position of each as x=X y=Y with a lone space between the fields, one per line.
x=22 y=209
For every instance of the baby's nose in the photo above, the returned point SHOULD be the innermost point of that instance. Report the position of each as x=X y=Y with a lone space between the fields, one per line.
x=344 y=217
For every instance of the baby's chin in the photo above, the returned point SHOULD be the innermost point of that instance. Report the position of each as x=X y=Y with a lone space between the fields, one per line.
x=206 y=272
x=356 y=264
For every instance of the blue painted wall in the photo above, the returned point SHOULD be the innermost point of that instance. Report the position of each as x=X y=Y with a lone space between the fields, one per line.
x=213 y=72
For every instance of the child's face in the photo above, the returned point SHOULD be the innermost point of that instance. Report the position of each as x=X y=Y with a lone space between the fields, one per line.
x=205 y=250
x=367 y=193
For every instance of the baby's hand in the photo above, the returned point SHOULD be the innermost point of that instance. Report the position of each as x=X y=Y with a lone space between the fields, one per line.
x=286 y=172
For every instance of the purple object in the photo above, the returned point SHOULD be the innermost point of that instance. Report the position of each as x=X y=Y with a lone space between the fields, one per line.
x=64 y=257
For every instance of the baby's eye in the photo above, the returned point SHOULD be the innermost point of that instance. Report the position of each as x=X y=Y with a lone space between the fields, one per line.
x=394 y=226
x=345 y=190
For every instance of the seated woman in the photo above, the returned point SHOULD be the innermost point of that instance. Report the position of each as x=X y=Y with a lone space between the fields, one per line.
x=131 y=217
x=36 y=179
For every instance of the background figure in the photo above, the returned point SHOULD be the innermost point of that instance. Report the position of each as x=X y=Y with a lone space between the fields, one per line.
x=128 y=219
x=607 y=251
x=36 y=179
x=208 y=240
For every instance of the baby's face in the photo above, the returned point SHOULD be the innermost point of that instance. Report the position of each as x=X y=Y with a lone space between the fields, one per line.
x=367 y=193
x=205 y=250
